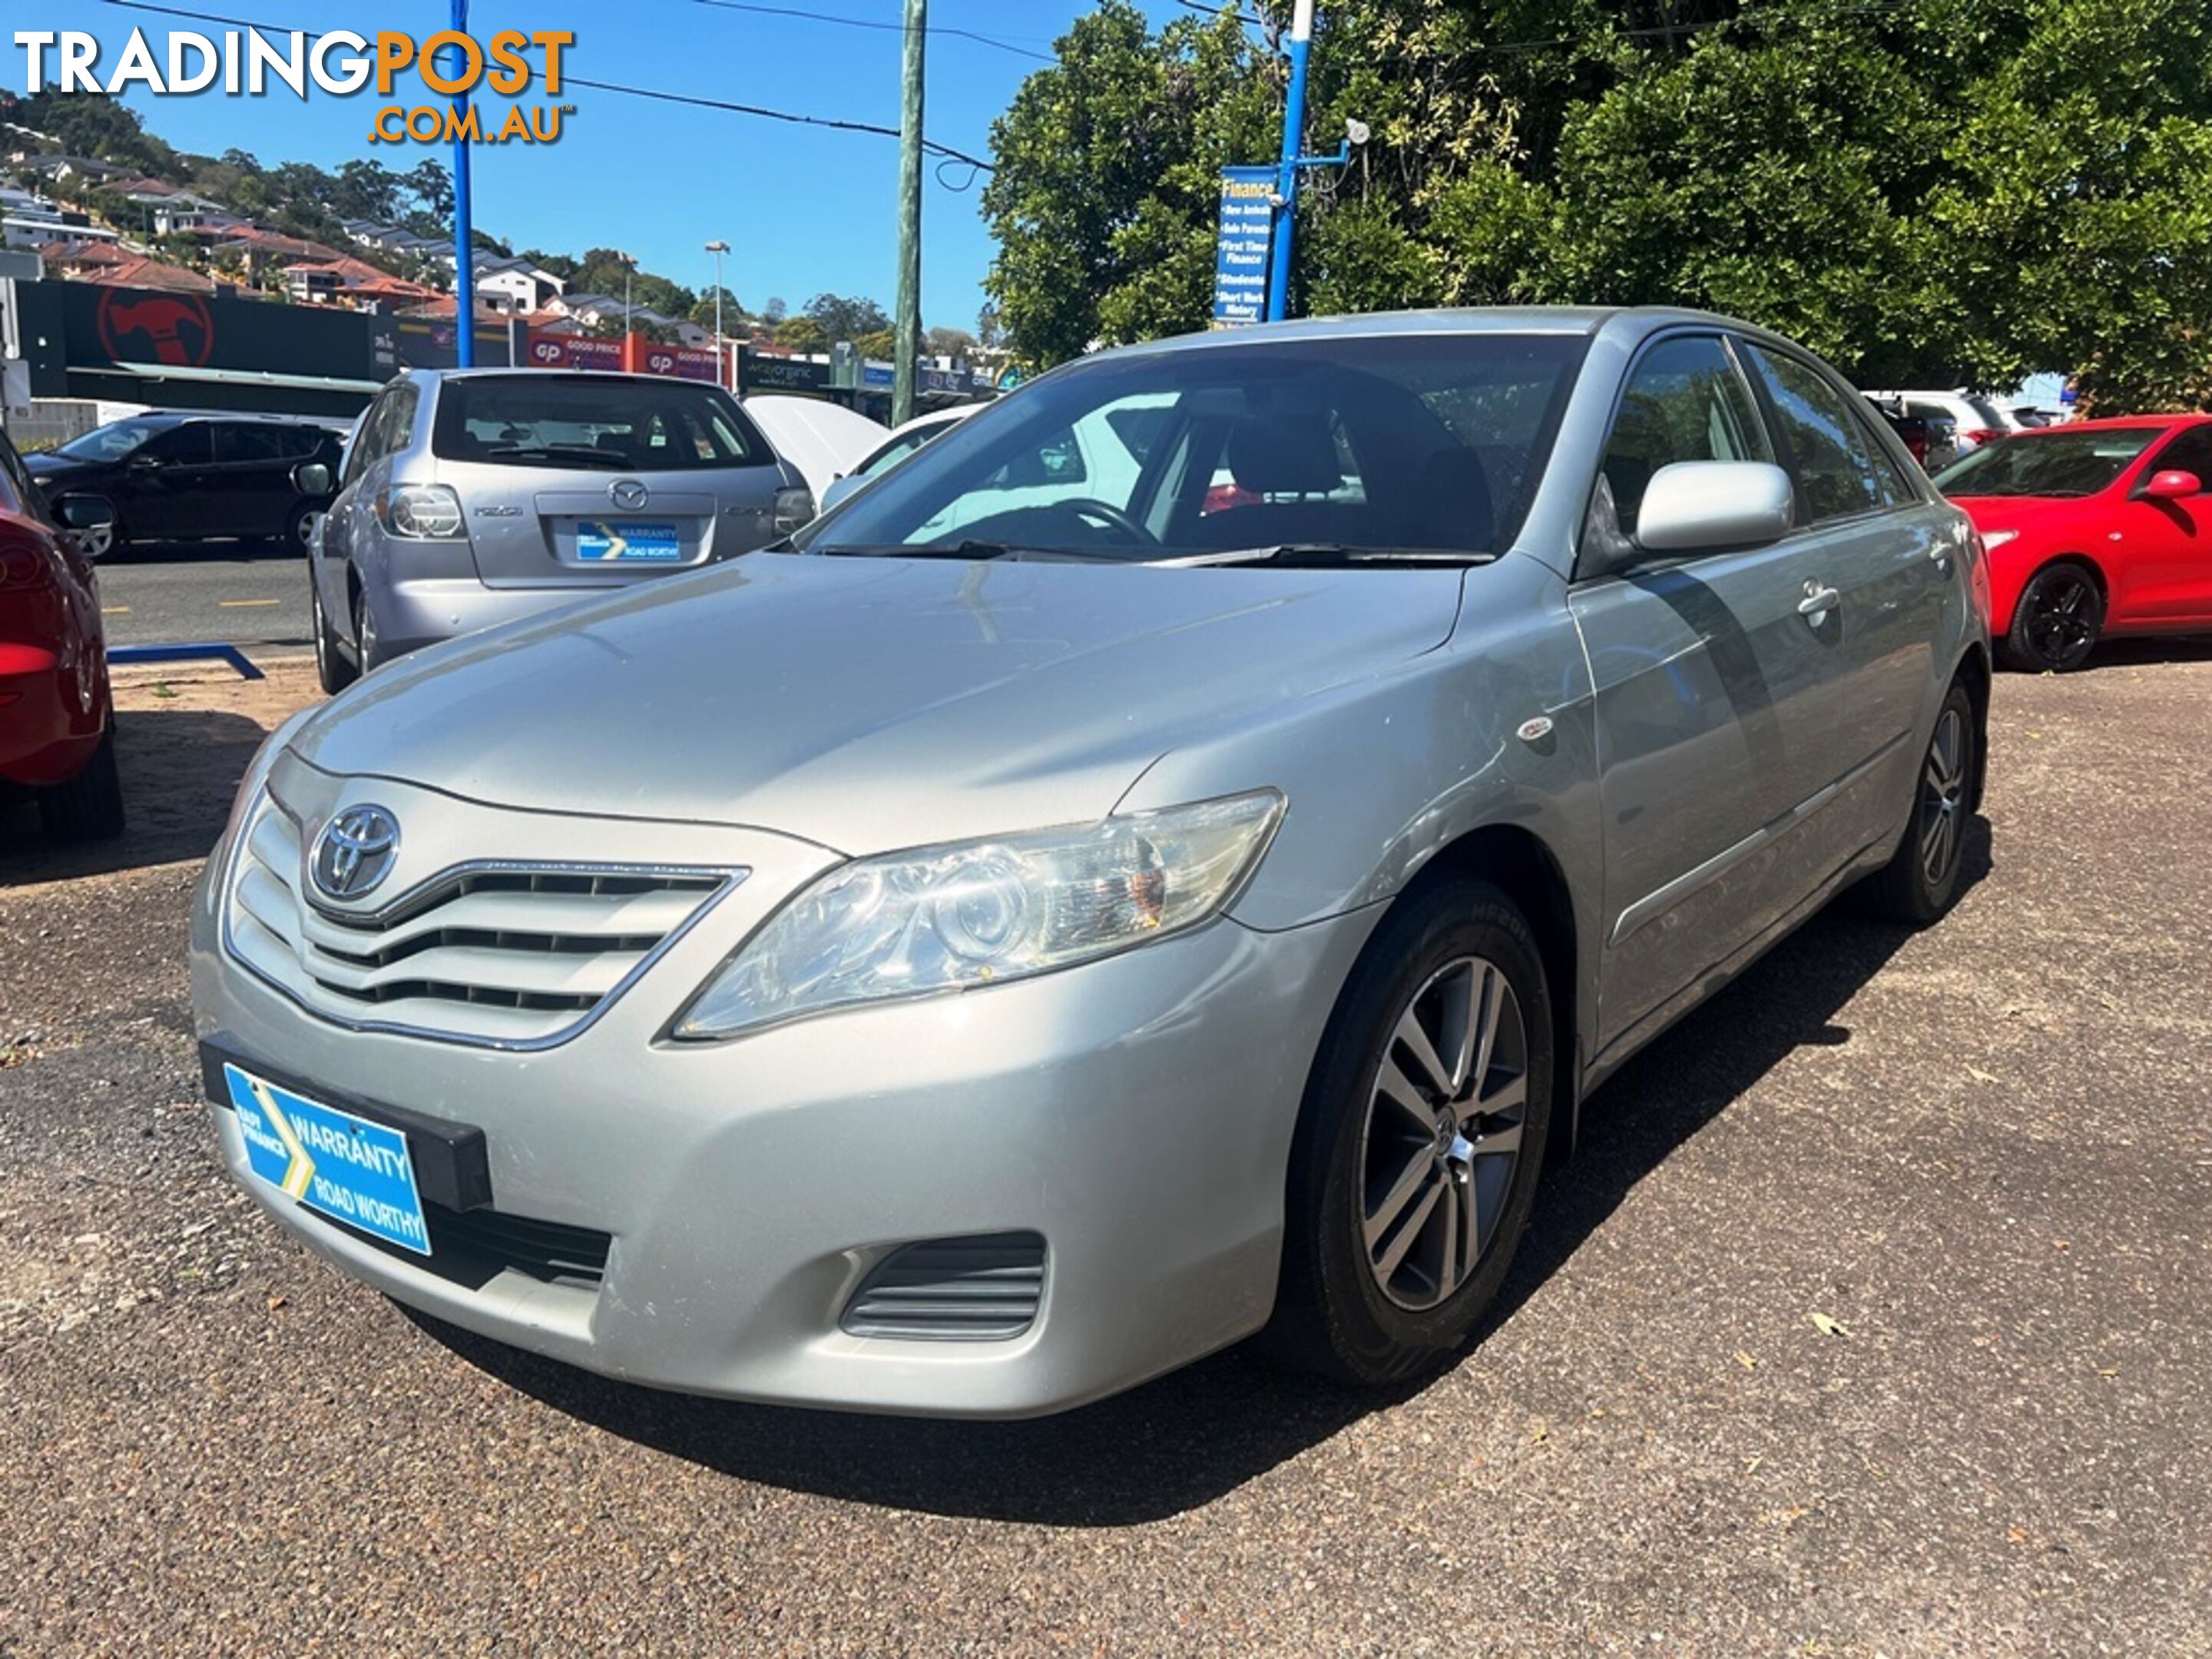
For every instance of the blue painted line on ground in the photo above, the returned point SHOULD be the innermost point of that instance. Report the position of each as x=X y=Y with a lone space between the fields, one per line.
x=229 y=653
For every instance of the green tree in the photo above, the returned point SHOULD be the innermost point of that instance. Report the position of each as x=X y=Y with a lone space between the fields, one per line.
x=1954 y=191
x=879 y=342
x=847 y=318
x=802 y=333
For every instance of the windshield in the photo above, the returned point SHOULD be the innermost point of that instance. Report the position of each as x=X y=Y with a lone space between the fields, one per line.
x=1399 y=443
x=2047 y=463
x=553 y=418
x=110 y=442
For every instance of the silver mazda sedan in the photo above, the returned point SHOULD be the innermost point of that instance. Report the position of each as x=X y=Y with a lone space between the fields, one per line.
x=1165 y=864
x=474 y=496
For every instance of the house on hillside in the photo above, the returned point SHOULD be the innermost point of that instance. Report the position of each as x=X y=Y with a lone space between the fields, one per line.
x=515 y=284
x=135 y=271
x=61 y=167
x=348 y=280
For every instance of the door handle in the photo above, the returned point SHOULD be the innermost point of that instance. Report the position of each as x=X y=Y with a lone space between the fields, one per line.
x=1818 y=599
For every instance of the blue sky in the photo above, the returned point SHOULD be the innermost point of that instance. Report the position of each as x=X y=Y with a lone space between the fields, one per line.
x=804 y=210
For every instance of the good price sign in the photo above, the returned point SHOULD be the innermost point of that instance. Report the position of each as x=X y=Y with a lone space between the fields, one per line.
x=249 y=63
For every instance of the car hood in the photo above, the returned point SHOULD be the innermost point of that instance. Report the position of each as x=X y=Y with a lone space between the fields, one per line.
x=866 y=704
x=48 y=466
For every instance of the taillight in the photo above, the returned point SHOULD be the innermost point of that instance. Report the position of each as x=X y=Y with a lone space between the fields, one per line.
x=421 y=513
x=24 y=563
x=1983 y=435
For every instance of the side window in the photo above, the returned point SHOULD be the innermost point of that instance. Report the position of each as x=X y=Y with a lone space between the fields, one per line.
x=1840 y=468
x=244 y=442
x=399 y=420
x=2189 y=452
x=364 y=441
x=1684 y=402
x=186 y=445
x=16 y=495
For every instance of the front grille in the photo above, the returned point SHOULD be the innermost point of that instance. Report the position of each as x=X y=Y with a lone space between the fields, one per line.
x=981 y=1289
x=507 y=955
x=472 y=1247
x=549 y=1250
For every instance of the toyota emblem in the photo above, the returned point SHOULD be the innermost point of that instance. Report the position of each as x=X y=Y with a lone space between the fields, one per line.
x=628 y=493
x=355 y=853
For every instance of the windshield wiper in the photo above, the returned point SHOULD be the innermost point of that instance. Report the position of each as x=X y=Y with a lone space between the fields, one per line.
x=1321 y=555
x=966 y=549
x=583 y=453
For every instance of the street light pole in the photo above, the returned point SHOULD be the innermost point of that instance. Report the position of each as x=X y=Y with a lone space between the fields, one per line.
x=718 y=248
x=1287 y=175
x=906 y=334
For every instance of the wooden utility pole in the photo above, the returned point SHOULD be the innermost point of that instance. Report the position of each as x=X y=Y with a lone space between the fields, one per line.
x=906 y=330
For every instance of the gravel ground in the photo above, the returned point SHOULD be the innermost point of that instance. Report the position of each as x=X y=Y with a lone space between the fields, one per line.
x=1874 y=1319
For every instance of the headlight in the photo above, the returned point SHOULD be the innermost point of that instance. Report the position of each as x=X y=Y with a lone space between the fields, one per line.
x=982 y=911
x=1994 y=539
x=421 y=512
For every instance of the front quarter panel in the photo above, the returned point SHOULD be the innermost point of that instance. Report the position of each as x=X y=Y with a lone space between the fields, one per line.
x=1383 y=774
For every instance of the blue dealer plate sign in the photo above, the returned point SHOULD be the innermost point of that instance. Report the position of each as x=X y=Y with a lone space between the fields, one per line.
x=345 y=1167
x=610 y=542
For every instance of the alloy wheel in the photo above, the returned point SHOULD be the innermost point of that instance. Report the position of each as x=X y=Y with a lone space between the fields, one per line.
x=98 y=541
x=2061 y=616
x=1441 y=1138
x=1942 y=799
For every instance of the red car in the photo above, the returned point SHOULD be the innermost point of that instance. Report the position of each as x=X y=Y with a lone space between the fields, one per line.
x=2094 y=528
x=57 y=726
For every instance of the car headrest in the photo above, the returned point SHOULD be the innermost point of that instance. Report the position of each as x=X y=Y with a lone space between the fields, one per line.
x=1285 y=452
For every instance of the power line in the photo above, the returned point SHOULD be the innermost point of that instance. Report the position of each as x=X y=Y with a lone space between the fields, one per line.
x=944 y=151
x=999 y=42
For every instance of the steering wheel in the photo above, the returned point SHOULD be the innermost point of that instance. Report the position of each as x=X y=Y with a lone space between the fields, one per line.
x=1105 y=512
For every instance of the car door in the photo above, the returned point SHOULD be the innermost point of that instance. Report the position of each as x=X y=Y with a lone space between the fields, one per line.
x=2165 y=543
x=1703 y=674
x=349 y=519
x=251 y=489
x=1887 y=558
x=162 y=494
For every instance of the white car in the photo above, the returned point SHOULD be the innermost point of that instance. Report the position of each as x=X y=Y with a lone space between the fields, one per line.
x=1979 y=418
x=902 y=442
x=823 y=439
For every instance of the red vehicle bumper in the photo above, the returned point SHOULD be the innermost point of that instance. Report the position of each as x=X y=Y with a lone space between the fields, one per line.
x=53 y=708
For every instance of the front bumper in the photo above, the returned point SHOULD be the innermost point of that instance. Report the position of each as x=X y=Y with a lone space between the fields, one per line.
x=1137 y=1112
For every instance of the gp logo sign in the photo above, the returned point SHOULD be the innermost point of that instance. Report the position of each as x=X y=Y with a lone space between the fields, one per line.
x=250 y=63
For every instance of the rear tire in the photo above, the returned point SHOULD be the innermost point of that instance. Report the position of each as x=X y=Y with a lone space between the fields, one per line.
x=1421 y=1141
x=364 y=633
x=89 y=806
x=331 y=667
x=298 y=536
x=1920 y=882
x=2057 y=622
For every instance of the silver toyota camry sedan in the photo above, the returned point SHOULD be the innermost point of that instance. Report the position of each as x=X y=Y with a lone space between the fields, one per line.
x=1166 y=864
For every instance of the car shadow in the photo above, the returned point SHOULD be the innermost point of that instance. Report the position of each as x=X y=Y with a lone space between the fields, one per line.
x=180 y=767
x=273 y=551
x=1181 y=1442
x=2140 y=653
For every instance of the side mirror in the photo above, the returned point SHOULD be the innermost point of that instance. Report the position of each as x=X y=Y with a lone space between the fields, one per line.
x=1704 y=506
x=2172 y=484
x=837 y=489
x=84 y=513
x=312 y=478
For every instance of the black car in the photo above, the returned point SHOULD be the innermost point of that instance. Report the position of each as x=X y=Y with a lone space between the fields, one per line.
x=177 y=477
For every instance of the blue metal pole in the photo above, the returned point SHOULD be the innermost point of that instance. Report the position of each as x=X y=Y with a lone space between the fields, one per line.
x=1287 y=175
x=464 y=260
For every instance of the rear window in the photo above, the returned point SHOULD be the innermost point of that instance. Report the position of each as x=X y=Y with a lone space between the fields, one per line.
x=555 y=419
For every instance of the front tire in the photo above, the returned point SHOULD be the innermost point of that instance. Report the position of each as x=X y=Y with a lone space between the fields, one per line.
x=299 y=534
x=1420 y=1140
x=2057 y=622
x=1920 y=882
x=89 y=806
x=333 y=669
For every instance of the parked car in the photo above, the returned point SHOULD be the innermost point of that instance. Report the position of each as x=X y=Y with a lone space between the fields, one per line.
x=1977 y=418
x=474 y=496
x=902 y=442
x=1933 y=440
x=972 y=970
x=176 y=478
x=820 y=438
x=57 y=726
x=2094 y=528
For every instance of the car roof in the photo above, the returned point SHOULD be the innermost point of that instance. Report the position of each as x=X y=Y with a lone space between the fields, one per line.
x=490 y=371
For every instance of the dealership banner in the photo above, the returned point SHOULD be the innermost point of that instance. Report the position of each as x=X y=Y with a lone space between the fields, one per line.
x=1240 y=258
